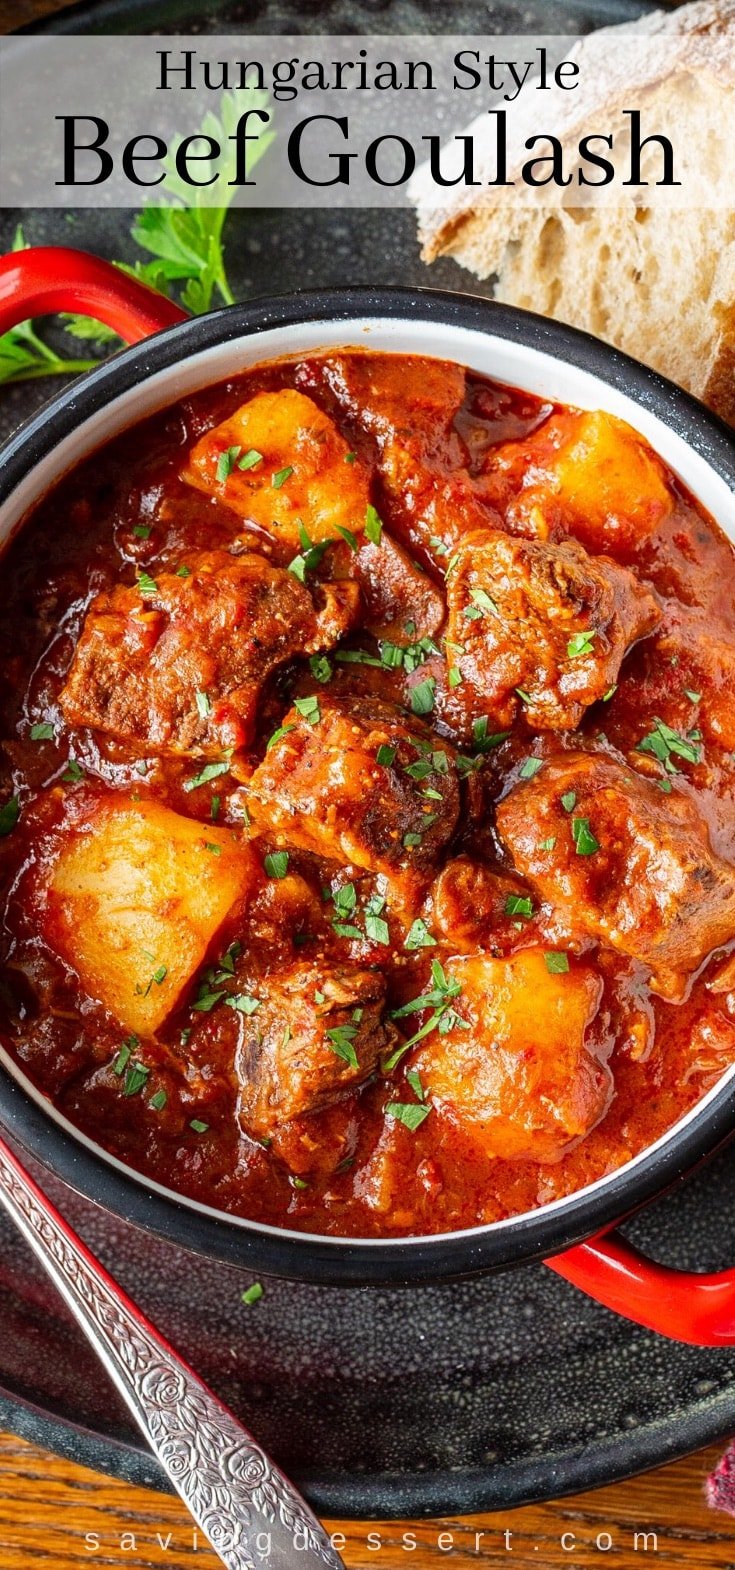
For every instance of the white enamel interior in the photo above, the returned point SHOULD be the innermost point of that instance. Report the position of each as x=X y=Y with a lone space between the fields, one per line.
x=503 y=360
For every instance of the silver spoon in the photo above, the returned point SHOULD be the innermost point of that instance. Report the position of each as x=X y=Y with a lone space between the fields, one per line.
x=251 y=1513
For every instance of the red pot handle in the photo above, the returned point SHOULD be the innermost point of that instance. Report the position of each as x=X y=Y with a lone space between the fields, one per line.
x=699 y=1309
x=49 y=278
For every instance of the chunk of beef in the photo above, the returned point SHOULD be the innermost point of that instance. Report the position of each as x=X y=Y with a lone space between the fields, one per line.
x=400 y=602
x=547 y=620
x=654 y=889
x=409 y=407
x=316 y=1034
x=177 y=664
x=295 y=473
x=366 y=785
x=521 y=1079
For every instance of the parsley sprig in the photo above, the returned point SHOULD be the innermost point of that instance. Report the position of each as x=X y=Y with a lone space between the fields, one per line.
x=182 y=241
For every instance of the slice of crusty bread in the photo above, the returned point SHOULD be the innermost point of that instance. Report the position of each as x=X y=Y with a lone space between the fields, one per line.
x=657 y=281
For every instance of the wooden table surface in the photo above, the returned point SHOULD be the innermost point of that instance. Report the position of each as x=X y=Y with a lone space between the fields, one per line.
x=55 y=1515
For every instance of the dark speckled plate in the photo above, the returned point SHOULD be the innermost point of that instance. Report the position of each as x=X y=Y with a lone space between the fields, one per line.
x=448 y=1399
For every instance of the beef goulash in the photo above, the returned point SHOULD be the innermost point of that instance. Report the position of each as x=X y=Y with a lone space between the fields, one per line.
x=367 y=770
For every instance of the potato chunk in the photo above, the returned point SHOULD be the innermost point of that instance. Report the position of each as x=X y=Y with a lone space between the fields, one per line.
x=134 y=900
x=545 y=620
x=301 y=476
x=606 y=481
x=521 y=1080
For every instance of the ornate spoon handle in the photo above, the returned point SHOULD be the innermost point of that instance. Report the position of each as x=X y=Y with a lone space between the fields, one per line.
x=252 y=1515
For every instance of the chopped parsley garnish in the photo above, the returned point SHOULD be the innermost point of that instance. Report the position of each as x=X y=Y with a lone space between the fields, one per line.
x=198 y=1126
x=253 y=1294
x=482 y=605
x=73 y=772
x=146 y=584
x=442 y=1017
x=419 y=936
x=524 y=696
x=414 y=1079
x=296 y=1181
x=211 y=771
x=665 y=744
x=548 y=844
x=410 y=841
x=357 y=657
x=183 y=572
x=422 y=696
x=310 y=556
x=135 y=1078
x=581 y=643
x=9 y=815
x=204 y=705
x=281 y=476
x=250 y=459
x=158 y=1100
x=531 y=767
x=454 y=676
x=214 y=850
x=340 y=1041
x=43 y=732
x=376 y=927
x=242 y=1003
x=309 y=709
x=214 y=808
x=226 y=462
x=611 y=691
x=123 y=1055
x=482 y=739
x=347 y=535
x=569 y=800
x=283 y=730
x=519 y=905
x=411 y=1113
x=142 y=531
x=373 y=525
x=276 y=863
x=386 y=755
x=557 y=964
x=350 y=457
x=584 y=839
x=694 y=697
x=321 y=668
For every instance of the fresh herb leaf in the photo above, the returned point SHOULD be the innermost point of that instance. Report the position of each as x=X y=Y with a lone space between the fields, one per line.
x=584 y=839
x=569 y=800
x=226 y=463
x=482 y=740
x=9 y=815
x=73 y=772
x=411 y=1113
x=531 y=767
x=252 y=1294
x=321 y=668
x=309 y=709
x=557 y=964
x=519 y=905
x=281 y=476
x=419 y=936
x=211 y=771
x=43 y=732
x=198 y=1126
x=386 y=755
x=373 y=525
x=422 y=696
x=665 y=744
x=135 y=1078
x=581 y=643
x=204 y=705
x=276 y=863
x=146 y=584
x=340 y=1041
x=283 y=730
x=158 y=1100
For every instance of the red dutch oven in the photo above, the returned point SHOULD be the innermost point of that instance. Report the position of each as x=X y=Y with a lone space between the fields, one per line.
x=169 y=356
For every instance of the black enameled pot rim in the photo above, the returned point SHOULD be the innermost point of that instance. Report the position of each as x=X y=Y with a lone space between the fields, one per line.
x=270 y=1250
